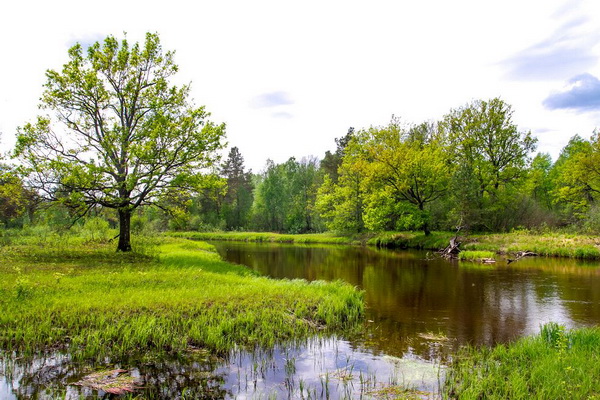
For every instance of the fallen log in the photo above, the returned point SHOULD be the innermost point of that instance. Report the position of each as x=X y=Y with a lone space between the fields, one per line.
x=452 y=250
x=521 y=254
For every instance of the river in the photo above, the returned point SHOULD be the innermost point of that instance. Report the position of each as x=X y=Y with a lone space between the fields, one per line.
x=420 y=310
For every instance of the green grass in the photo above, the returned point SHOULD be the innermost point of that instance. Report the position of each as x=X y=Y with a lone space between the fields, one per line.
x=471 y=255
x=555 y=364
x=549 y=244
x=309 y=238
x=96 y=303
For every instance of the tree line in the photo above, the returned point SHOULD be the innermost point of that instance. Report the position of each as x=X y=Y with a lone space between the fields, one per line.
x=474 y=169
x=121 y=142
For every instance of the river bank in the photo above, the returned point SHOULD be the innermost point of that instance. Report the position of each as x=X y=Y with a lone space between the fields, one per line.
x=549 y=244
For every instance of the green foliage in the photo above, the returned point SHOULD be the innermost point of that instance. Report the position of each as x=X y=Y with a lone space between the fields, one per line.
x=341 y=204
x=13 y=195
x=491 y=156
x=96 y=229
x=406 y=166
x=577 y=179
x=237 y=202
x=285 y=197
x=134 y=138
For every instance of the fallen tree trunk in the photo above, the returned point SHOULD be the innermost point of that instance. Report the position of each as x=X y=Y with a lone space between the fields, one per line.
x=520 y=255
x=452 y=250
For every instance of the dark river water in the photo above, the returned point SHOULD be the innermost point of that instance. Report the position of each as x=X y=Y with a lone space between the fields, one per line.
x=420 y=309
x=413 y=297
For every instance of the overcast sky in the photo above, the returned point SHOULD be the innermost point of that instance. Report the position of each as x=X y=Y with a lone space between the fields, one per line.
x=290 y=76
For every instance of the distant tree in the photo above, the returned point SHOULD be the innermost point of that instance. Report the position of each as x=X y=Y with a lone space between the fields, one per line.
x=285 y=197
x=483 y=136
x=13 y=195
x=270 y=201
x=576 y=175
x=332 y=161
x=491 y=156
x=120 y=135
x=238 y=197
x=303 y=182
x=407 y=167
x=341 y=204
x=539 y=181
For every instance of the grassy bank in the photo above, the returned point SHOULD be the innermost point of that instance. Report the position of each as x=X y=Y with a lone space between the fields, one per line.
x=556 y=364
x=94 y=302
x=549 y=244
x=309 y=238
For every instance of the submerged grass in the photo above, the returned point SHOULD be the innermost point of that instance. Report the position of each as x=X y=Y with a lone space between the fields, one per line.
x=96 y=303
x=555 y=364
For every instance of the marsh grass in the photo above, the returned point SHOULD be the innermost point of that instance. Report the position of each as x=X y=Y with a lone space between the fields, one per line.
x=555 y=364
x=95 y=303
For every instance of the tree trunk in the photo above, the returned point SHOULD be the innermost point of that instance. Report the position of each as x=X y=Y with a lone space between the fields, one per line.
x=124 y=230
x=426 y=222
x=426 y=229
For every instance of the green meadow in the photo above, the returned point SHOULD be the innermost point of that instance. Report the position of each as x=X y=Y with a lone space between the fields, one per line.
x=84 y=298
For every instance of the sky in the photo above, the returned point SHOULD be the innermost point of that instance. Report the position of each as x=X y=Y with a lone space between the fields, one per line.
x=288 y=77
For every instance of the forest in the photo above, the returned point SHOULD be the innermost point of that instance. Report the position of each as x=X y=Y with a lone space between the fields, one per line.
x=472 y=169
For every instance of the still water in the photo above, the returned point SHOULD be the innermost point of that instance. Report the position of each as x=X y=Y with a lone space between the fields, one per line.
x=420 y=309
x=414 y=298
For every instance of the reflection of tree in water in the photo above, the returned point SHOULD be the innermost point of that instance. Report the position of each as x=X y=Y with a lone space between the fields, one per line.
x=55 y=375
x=413 y=301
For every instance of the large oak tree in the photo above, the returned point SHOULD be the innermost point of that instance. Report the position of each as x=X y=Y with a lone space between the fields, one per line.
x=118 y=133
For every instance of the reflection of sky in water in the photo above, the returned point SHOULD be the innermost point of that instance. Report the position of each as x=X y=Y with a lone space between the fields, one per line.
x=321 y=368
x=326 y=367
x=5 y=391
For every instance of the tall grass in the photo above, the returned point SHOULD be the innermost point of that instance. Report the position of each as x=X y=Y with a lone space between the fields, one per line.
x=556 y=364
x=96 y=303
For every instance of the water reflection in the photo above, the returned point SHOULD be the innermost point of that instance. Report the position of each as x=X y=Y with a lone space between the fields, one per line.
x=420 y=309
x=319 y=369
x=411 y=295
